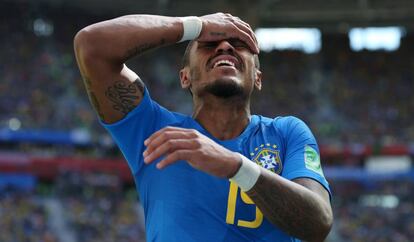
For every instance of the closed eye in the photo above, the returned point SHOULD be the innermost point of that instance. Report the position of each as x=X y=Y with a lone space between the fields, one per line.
x=236 y=43
x=210 y=44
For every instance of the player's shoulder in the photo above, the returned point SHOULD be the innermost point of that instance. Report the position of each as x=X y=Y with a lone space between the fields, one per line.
x=283 y=125
x=281 y=121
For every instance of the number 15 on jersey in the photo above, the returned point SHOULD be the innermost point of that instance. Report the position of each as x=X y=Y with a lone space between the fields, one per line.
x=231 y=209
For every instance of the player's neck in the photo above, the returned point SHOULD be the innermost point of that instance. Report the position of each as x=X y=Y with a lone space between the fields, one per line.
x=223 y=118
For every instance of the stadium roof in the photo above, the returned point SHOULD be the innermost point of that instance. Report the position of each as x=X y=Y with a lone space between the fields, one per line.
x=329 y=15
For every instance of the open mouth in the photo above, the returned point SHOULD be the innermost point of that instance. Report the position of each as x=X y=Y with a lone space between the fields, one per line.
x=224 y=63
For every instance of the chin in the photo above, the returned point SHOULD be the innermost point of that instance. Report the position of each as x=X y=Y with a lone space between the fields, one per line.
x=225 y=87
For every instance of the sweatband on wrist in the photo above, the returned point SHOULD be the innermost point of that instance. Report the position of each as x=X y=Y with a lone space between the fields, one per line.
x=246 y=177
x=192 y=26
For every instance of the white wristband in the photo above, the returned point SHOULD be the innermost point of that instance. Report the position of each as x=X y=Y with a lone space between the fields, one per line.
x=247 y=175
x=192 y=28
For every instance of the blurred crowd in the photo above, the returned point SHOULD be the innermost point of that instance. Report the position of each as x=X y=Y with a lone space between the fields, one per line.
x=24 y=218
x=346 y=97
x=97 y=207
x=77 y=207
x=373 y=211
x=39 y=83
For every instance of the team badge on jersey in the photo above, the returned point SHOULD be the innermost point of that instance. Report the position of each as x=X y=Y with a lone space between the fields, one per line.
x=267 y=156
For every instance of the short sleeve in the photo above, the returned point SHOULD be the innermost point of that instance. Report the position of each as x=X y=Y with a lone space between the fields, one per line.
x=130 y=132
x=302 y=158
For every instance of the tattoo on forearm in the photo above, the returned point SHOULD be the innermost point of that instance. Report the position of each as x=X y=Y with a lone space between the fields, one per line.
x=286 y=210
x=92 y=97
x=142 y=48
x=124 y=96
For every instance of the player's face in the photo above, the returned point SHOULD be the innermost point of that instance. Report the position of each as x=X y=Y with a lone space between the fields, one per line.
x=224 y=69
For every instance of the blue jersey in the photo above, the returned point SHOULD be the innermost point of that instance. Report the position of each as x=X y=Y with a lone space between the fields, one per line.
x=182 y=204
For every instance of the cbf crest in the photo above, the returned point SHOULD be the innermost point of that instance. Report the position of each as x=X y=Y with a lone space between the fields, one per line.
x=267 y=156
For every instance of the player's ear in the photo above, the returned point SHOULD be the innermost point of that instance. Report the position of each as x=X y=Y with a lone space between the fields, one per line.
x=185 y=78
x=258 y=79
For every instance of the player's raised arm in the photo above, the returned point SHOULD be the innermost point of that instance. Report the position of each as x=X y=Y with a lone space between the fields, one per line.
x=103 y=48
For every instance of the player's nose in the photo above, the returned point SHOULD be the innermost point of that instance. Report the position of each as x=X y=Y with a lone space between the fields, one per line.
x=224 y=46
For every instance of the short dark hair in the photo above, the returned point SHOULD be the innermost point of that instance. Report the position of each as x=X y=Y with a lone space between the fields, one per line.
x=186 y=57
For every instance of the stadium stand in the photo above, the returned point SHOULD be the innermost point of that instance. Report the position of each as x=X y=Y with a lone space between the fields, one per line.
x=357 y=103
x=41 y=82
x=380 y=211
x=24 y=217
